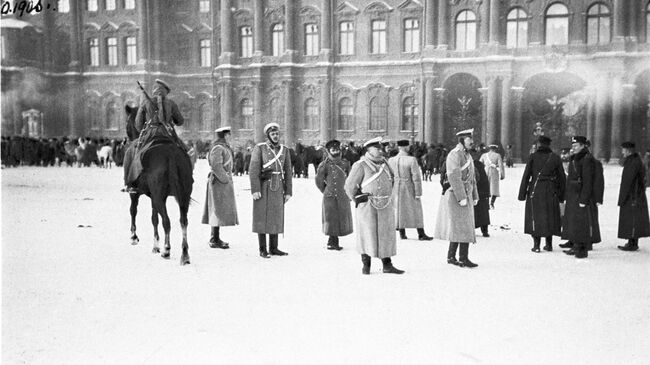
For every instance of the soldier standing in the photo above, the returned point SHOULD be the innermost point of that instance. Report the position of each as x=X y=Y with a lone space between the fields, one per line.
x=482 y=208
x=633 y=221
x=407 y=192
x=494 y=170
x=220 y=209
x=370 y=184
x=270 y=177
x=330 y=180
x=455 y=221
x=542 y=187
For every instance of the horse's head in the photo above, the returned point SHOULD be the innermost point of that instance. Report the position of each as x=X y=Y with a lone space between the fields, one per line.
x=131 y=131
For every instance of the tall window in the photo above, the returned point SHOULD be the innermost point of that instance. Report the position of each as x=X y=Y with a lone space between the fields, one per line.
x=204 y=6
x=311 y=114
x=246 y=114
x=277 y=39
x=246 y=42
x=91 y=5
x=131 y=54
x=557 y=25
x=63 y=6
x=411 y=35
x=111 y=51
x=346 y=114
x=129 y=4
x=598 y=25
x=93 y=51
x=110 y=4
x=204 y=117
x=346 y=38
x=466 y=31
x=277 y=110
x=204 y=56
x=410 y=114
x=311 y=40
x=517 y=36
x=378 y=114
x=111 y=116
x=378 y=45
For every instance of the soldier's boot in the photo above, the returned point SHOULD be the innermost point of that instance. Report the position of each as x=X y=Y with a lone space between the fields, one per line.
x=365 y=259
x=589 y=246
x=423 y=236
x=273 y=246
x=402 y=234
x=581 y=250
x=262 y=241
x=451 y=254
x=335 y=244
x=568 y=244
x=462 y=255
x=389 y=268
x=215 y=241
x=549 y=244
x=536 y=243
x=631 y=245
x=484 y=231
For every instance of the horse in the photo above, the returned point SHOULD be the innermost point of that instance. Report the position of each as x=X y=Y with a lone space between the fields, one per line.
x=166 y=171
x=312 y=156
x=105 y=156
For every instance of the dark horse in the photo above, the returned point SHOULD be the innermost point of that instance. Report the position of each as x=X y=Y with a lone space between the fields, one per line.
x=166 y=171
x=310 y=155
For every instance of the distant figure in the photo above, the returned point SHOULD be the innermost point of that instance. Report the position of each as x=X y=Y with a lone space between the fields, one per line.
x=508 y=156
x=495 y=171
x=633 y=221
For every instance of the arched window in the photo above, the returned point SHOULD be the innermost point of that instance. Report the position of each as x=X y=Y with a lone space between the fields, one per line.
x=410 y=113
x=204 y=117
x=276 y=108
x=311 y=40
x=598 y=25
x=557 y=25
x=246 y=41
x=111 y=116
x=517 y=36
x=246 y=107
x=378 y=114
x=465 y=31
x=346 y=114
x=94 y=113
x=278 y=39
x=311 y=114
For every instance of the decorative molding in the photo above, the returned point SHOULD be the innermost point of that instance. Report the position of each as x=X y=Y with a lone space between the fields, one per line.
x=275 y=15
x=345 y=8
x=242 y=17
x=309 y=14
x=309 y=91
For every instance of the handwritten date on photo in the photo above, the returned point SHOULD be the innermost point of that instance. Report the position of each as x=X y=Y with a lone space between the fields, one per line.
x=23 y=7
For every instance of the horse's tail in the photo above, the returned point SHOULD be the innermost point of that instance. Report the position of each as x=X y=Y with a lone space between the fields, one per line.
x=180 y=178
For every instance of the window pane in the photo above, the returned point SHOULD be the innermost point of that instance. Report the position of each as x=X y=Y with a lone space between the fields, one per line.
x=246 y=42
x=522 y=34
x=557 y=31
x=205 y=55
x=131 y=51
x=603 y=32
x=346 y=113
x=557 y=9
x=278 y=40
x=63 y=6
x=311 y=40
x=110 y=4
x=378 y=37
x=92 y=5
x=129 y=4
x=111 y=51
x=204 y=6
x=93 y=47
x=346 y=38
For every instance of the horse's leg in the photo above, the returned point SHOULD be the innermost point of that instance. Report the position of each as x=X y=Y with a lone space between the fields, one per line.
x=156 y=236
x=162 y=210
x=134 y=213
x=185 y=256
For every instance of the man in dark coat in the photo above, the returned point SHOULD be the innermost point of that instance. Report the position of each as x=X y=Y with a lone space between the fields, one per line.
x=633 y=221
x=482 y=208
x=542 y=187
x=330 y=180
x=580 y=221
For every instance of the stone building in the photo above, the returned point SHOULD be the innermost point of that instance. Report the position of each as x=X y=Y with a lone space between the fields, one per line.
x=346 y=69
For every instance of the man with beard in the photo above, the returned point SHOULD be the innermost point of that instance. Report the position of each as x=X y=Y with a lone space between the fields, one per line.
x=330 y=180
x=542 y=187
x=270 y=177
x=633 y=221
x=220 y=209
x=407 y=192
x=455 y=221
x=370 y=184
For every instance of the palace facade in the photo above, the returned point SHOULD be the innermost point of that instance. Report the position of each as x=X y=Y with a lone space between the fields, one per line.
x=350 y=70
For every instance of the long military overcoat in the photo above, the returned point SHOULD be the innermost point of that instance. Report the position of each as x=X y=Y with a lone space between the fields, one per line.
x=580 y=224
x=454 y=222
x=482 y=208
x=375 y=219
x=408 y=186
x=494 y=169
x=330 y=180
x=542 y=187
x=268 y=211
x=633 y=221
x=220 y=208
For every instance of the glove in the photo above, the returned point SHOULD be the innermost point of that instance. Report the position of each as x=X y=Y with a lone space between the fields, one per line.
x=475 y=202
x=286 y=197
x=581 y=205
x=463 y=203
x=257 y=196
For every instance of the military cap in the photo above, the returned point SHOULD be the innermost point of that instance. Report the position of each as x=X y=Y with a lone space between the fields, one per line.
x=465 y=133
x=493 y=147
x=223 y=129
x=403 y=143
x=271 y=126
x=333 y=144
x=579 y=139
x=544 y=140
x=374 y=142
x=628 y=145
x=164 y=84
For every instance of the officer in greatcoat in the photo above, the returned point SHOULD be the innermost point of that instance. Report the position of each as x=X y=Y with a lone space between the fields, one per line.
x=407 y=192
x=455 y=221
x=542 y=187
x=482 y=208
x=270 y=177
x=580 y=222
x=369 y=185
x=220 y=208
x=633 y=221
x=330 y=180
x=494 y=170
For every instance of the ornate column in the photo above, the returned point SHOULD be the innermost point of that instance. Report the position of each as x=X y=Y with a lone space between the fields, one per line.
x=289 y=26
x=628 y=101
x=430 y=118
x=429 y=20
x=257 y=111
x=617 y=119
x=440 y=114
x=143 y=41
x=75 y=36
x=156 y=32
x=226 y=32
x=619 y=20
x=517 y=96
x=634 y=20
x=326 y=27
x=226 y=102
x=484 y=113
x=443 y=24
x=495 y=12
x=484 y=22
x=602 y=102
x=75 y=109
x=258 y=31
x=492 y=133
x=289 y=133
x=506 y=128
x=325 y=110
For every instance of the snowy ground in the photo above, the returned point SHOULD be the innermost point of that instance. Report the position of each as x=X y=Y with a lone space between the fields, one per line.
x=74 y=291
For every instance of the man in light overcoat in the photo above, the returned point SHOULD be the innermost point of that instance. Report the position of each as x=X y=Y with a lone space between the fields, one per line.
x=494 y=170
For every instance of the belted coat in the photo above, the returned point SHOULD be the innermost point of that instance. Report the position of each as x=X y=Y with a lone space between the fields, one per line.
x=330 y=180
x=220 y=208
x=268 y=211
x=408 y=186
x=375 y=219
x=455 y=223
x=580 y=224
x=633 y=221
x=494 y=169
